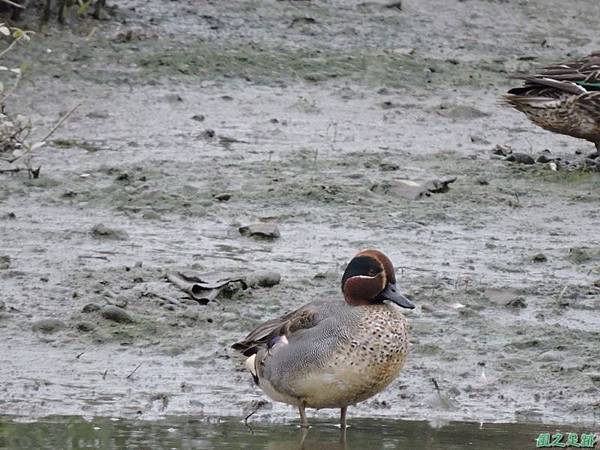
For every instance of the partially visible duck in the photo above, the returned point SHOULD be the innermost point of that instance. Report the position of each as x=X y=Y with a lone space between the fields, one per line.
x=563 y=98
x=333 y=354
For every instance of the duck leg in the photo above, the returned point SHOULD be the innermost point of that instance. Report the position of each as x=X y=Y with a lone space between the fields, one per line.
x=303 y=421
x=343 y=411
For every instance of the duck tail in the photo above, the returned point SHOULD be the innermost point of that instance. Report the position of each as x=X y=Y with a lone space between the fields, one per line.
x=251 y=366
x=521 y=101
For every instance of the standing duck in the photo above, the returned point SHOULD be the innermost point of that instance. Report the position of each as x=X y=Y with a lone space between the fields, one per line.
x=332 y=354
x=563 y=98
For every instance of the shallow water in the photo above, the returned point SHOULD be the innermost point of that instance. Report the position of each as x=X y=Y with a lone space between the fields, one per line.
x=187 y=433
x=314 y=124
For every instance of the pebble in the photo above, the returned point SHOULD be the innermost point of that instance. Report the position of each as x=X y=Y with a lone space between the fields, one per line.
x=151 y=215
x=48 y=325
x=520 y=158
x=517 y=302
x=222 y=197
x=208 y=134
x=579 y=255
x=90 y=308
x=101 y=231
x=263 y=279
x=85 y=326
x=260 y=230
x=440 y=185
x=539 y=258
x=501 y=150
x=116 y=314
x=4 y=262
x=388 y=167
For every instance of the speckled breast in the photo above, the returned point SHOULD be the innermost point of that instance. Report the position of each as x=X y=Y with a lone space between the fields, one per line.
x=365 y=365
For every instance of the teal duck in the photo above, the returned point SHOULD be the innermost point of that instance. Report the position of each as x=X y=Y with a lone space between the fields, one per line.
x=563 y=98
x=333 y=354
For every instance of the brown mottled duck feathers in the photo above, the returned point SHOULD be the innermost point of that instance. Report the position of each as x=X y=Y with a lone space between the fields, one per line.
x=563 y=97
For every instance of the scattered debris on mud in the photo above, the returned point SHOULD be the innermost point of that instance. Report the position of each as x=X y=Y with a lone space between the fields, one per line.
x=320 y=136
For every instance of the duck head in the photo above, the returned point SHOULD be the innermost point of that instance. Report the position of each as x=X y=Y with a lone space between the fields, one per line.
x=370 y=279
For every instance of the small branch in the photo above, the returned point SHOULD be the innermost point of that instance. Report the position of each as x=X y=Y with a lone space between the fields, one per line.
x=50 y=133
x=105 y=258
x=104 y=374
x=14 y=169
x=12 y=89
x=436 y=385
x=9 y=48
x=60 y=122
x=134 y=370
x=33 y=173
x=16 y=5
x=170 y=300
x=258 y=406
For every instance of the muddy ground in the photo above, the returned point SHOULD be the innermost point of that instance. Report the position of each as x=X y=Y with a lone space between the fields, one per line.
x=318 y=109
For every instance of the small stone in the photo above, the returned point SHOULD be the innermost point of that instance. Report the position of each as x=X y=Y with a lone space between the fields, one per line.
x=394 y=5
x=482 y=181
x=544 y=159
x=86 y=327
x=388 y=166
x=518 y=302
x=593 y=155
x=101 y=231
x=263 y=279
x=520 y=158
x=479 y=140
x=121 y=301
x=597 y=283
x=595 y=377
x=208 y=134
x=426 y=307
x=9 y=216
x=48 y=325
x=539 y=258
x=440 y=185
x=222 y=197
x=4 y=262
x=260 y=230
x=116 y=314
x=123 y=176
x=579 y=255
x=501 y=150
x=151 y=215
x=90 y=308
x=198 y=117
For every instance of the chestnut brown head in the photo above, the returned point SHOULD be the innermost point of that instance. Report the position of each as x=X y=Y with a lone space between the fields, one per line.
x=370 y=279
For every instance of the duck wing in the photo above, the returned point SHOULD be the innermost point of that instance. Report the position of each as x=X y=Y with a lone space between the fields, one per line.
x=568 y=77
x=586 y=69
x=302 y=318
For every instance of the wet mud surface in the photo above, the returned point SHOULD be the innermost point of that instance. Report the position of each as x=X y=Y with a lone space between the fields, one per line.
x=197 y=118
